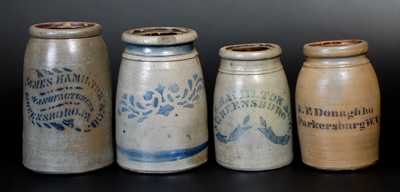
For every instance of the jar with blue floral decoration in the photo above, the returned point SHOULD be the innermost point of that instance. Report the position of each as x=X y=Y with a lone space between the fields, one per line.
x=161 y=109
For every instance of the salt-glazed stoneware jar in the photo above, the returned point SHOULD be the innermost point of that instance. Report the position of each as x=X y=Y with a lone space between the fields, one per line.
x=252 y=119
x=67 y=99
x=338 y=106
x=161 y=109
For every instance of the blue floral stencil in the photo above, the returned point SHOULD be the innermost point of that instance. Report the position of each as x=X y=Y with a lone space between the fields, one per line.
x=162 y=100
x=245 y=126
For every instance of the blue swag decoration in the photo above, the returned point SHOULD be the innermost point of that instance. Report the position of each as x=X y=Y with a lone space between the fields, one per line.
x=245 y=126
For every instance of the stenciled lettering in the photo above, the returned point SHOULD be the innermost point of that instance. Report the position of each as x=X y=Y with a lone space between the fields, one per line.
x=59 y=97
x=359 y=117
x=244 y=99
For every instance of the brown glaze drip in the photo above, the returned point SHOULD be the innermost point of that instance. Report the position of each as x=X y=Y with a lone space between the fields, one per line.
x=335 y=43
x=250 y=47
x=65 y=25
x=158 y=31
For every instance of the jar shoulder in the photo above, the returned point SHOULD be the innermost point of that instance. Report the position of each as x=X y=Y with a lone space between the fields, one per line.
x=309 y=76
x=340 y=82
x=50 y=52
x=229 y=83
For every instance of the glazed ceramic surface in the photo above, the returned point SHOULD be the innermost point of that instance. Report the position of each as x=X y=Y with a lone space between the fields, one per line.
x=338 y=106
x=67 y=99
x=161 y=109
x=252 y=119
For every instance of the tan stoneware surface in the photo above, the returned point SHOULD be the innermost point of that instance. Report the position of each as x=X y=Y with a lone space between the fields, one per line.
x=67 y=99
x=161 y=108
x=252 y=119
x=338 y=106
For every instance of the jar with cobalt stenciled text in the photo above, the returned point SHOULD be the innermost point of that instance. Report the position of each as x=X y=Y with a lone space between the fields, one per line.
x=252 y=118
x=67 y=99
x=338 y=106
x=161 y=108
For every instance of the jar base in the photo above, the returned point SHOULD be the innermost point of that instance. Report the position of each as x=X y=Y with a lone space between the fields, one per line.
x=148 y=171
x=348 y=168
x=58 y=172
x=230 y=166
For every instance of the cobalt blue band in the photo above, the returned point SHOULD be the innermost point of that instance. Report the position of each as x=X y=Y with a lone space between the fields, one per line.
x=159 y=50
x=161 y=156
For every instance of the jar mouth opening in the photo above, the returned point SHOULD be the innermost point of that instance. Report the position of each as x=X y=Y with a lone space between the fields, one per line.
x=250 y=47
x=335 y=43
x=336 y=48
x=250 y=51
x=159 y=35
x=160 y=31
x=65 y=30
x=64 y=25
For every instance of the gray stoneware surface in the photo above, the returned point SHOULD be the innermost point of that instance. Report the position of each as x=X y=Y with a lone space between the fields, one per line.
x=161 y=108
x=67 y=99
x=252 y=119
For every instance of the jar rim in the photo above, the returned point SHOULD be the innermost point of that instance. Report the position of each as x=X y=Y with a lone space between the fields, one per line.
x=159 y=35
x=335 y=48
x=250 y=51
x=65 y=30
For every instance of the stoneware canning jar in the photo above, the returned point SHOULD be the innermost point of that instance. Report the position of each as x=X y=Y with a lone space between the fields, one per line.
x=161 y=109
x=67 y=99
x=338 y=106
x=252 y=119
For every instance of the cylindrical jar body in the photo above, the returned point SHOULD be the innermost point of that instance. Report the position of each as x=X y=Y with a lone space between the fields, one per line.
x=252 y=118
x=67 y=99
x=161 y=103
x=338 y=106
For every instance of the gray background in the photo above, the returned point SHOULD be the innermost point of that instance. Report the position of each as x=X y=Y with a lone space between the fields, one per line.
x=289 y=23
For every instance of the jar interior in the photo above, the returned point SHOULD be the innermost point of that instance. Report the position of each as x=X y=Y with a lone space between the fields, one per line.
x=158 y=31
x=250 y=47
x=336 y=43
x=65 y=25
